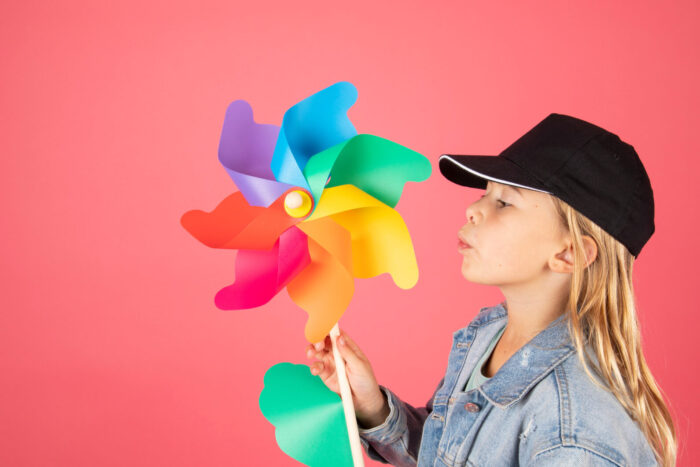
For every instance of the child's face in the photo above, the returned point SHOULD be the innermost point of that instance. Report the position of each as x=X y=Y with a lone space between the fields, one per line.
x=511 y=244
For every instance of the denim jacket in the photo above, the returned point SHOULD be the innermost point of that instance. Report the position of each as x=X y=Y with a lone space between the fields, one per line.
x=540 y=408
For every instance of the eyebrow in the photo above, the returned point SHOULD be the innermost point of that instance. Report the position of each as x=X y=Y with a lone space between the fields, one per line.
x=517 y=190
x=512 y=187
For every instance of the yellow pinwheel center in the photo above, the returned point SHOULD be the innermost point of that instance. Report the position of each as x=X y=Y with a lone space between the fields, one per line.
x=297 y=203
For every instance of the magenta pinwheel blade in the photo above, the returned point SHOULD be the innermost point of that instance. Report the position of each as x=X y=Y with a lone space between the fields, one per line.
x=245 y=151
x=261 y=274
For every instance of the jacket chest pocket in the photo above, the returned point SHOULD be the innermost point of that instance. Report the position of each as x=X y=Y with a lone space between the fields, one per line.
x=465 y=414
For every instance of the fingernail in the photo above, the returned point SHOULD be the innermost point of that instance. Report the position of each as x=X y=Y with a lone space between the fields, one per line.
x=341 y=341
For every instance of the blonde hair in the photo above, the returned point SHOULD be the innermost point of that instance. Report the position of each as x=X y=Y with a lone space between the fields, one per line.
x=606 y=318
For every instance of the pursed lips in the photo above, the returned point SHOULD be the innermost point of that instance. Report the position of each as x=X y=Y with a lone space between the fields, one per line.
x=462 y=243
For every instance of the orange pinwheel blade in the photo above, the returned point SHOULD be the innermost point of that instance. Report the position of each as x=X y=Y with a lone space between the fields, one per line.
x=325 y=287
x=235 y=224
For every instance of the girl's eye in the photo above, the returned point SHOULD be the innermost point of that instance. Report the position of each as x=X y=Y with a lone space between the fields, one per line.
x=500 y=201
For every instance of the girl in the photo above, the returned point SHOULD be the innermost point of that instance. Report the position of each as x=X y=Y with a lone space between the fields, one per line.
x=555 y=374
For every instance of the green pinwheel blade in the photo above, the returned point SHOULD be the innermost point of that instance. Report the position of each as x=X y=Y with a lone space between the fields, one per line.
x=308 y=417
x=375 y=165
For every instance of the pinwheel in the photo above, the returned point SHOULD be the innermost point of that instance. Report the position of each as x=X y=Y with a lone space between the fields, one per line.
x=314 y=210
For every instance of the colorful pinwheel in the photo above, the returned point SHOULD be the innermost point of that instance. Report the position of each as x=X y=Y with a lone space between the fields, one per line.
x=315 y=208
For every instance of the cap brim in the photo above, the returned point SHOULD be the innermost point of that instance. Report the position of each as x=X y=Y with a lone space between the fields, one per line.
x=476 y=171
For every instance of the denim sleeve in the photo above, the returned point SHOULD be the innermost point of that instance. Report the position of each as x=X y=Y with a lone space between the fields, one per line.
x=573 y=456
x=397 y=440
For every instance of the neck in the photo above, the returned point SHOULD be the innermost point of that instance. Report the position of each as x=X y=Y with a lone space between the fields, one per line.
x=530 y=310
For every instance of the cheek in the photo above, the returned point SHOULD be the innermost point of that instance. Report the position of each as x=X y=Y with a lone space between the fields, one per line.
x=507 y=256
x=513 y=247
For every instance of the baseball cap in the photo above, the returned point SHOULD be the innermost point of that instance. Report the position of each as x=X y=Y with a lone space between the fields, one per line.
x=584 y=165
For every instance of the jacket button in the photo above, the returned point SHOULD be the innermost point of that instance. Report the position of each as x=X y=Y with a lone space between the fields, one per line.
x=471 y=407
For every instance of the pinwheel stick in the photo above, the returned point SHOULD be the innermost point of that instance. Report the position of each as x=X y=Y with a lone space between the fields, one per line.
x=346 y=396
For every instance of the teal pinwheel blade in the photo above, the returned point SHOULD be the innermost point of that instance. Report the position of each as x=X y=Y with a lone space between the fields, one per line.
x=377 y=166
x=308 y=417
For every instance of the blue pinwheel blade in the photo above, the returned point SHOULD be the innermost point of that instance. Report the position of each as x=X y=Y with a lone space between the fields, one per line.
x=314 y=124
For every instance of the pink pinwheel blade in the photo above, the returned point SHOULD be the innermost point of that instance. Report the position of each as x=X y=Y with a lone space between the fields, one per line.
x=261 y=274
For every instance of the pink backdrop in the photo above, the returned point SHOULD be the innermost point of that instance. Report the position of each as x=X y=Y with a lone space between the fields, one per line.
x=111 y=350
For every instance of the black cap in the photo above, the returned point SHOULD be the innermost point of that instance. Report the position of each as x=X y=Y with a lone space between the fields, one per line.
x=582 y=164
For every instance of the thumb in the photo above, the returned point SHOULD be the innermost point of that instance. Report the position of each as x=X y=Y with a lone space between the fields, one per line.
x=352 y=359
x=351 y=343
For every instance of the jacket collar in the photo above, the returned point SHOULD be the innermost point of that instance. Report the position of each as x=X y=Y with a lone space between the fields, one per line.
x=530 y=364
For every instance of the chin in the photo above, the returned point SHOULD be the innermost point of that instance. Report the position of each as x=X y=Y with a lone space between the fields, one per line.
x=471 y=276
x=468 y=275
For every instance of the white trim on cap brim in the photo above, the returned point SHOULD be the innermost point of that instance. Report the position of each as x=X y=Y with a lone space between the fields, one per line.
x=488 y=177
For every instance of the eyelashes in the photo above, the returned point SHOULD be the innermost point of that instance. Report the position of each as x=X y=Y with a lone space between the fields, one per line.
x=504 y=204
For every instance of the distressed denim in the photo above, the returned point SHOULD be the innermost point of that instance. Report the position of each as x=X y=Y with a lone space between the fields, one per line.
x=540 y=408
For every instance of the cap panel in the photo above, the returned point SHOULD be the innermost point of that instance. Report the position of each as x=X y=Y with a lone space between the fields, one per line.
x=600 y=183
x=549 y=144
x=637 y=226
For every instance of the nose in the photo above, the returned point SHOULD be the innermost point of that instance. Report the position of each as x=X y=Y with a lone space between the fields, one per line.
x=472 y=214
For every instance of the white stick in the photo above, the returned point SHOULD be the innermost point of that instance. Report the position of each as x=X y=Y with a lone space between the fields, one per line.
x=346 y=397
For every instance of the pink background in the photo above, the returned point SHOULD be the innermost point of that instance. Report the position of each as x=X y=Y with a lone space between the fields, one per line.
x=111 y=350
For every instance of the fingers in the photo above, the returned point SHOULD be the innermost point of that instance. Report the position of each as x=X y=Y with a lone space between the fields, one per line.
x=324 y=344
x=311 y=351
x=317 y=368
x=327 y=372
x=324 y=366
x=349 y=351
x=324 y=347
x=319 y=349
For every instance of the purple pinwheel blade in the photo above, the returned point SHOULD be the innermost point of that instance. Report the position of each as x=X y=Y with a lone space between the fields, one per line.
x=245 y=151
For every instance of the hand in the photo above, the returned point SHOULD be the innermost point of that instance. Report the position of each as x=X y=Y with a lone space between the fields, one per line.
x=371 y=407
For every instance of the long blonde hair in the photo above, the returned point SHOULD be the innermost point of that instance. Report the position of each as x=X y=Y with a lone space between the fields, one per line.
x=606 y=318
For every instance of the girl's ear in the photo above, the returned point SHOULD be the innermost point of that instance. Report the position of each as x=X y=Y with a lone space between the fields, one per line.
x=591 y=249
x=563 y=261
